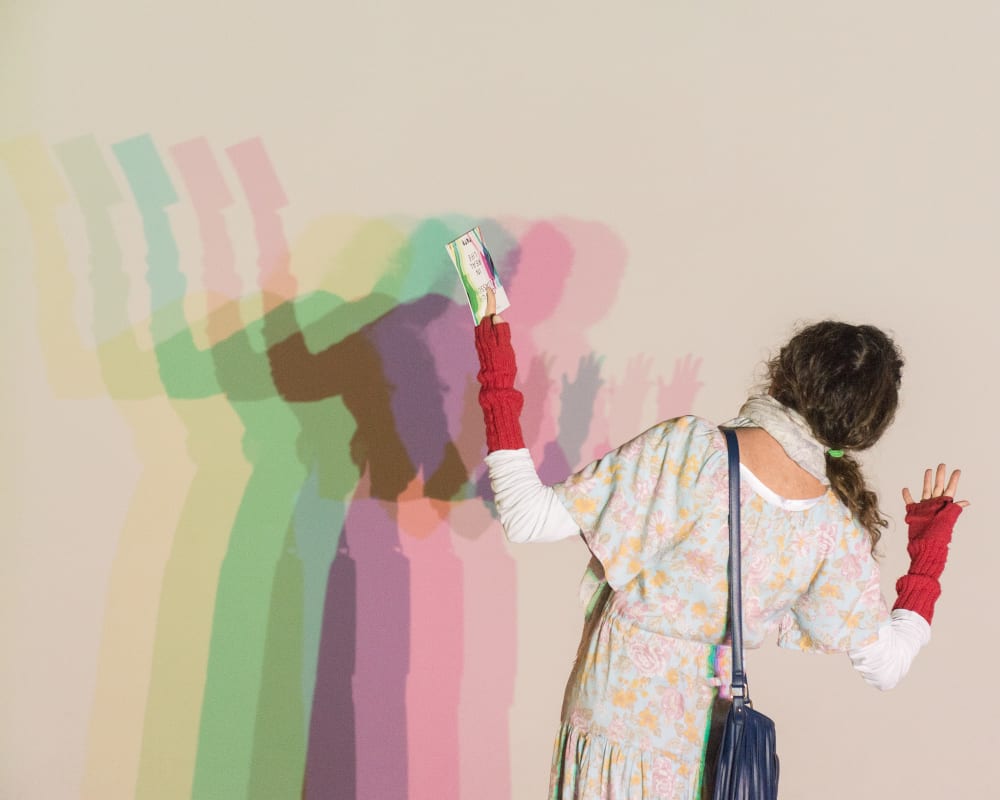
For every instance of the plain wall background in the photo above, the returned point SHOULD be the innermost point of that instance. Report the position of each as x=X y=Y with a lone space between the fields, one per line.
x=758 y=165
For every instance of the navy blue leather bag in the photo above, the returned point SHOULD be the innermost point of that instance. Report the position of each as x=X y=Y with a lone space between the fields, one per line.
x=748 y=762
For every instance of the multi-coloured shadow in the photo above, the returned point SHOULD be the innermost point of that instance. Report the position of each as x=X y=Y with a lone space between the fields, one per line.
x=310 y=595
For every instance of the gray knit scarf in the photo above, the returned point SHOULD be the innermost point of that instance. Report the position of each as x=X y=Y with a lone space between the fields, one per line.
x=788 y=428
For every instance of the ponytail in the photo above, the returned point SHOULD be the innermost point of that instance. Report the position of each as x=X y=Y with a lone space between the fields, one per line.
x=848 y=482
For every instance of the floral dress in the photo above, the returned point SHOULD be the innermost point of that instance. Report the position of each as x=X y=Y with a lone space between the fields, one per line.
x=654 y=513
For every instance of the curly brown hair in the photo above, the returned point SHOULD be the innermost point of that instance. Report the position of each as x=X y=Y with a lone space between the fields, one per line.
x=844 y=380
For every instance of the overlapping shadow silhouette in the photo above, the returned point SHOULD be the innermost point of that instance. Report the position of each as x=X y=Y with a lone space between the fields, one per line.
x=310 y=595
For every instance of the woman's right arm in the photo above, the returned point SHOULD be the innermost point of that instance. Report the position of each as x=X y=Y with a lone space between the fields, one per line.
x=930 y=523
x=884 y=662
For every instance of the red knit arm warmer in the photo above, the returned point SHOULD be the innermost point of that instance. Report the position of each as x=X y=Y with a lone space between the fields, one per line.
x=500 y=401
x=931 y=523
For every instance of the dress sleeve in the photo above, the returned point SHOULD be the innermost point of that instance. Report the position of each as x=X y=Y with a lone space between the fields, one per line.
x=634 y=503
x=843 y=607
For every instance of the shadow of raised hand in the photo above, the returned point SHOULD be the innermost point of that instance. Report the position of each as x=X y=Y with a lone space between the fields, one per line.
x=677 y=397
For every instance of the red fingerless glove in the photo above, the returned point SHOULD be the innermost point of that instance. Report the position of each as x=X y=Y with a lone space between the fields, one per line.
x=931 y=523
x=500 y=401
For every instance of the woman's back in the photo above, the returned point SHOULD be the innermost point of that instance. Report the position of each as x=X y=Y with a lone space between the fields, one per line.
x=655 y=514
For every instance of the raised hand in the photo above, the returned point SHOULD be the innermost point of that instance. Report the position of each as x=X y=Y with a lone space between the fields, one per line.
x=537 y=386
x=677 y=397
x=578 y=397
x=637 y=375
x=929 y=528
x=629 y=396
x=934 y=486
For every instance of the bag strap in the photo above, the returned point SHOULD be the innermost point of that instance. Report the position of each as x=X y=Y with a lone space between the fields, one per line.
x=740 y=690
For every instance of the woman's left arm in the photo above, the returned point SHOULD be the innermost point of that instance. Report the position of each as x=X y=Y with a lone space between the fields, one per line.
x=529 y=511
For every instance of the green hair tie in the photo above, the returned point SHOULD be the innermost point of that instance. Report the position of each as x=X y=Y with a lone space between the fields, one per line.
x=835 y=453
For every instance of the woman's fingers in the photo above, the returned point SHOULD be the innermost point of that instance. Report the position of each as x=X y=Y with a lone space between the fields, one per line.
x=939 y=480
x=935 y=486
x=491 y=306
x=951 y=490
x=952 y=486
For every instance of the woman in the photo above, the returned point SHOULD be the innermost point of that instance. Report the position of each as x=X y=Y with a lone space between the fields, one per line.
x=637 y=711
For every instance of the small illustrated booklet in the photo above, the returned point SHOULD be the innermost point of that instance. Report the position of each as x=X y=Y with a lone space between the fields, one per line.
x=475 y=267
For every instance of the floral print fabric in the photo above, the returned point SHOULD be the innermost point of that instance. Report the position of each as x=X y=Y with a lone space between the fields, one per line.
x=654 y=513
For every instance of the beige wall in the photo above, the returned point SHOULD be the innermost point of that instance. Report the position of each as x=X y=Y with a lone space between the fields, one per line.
x=762 y=164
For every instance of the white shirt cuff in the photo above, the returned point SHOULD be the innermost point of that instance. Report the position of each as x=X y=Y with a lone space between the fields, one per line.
x=884 y=662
